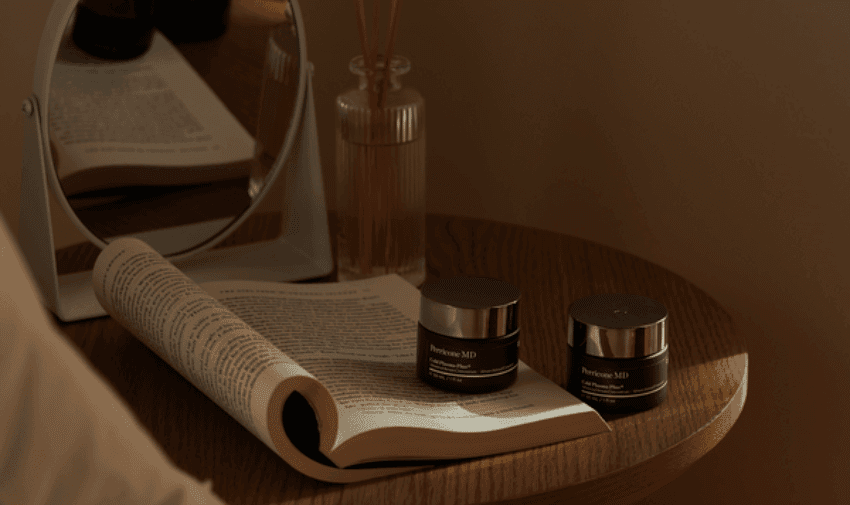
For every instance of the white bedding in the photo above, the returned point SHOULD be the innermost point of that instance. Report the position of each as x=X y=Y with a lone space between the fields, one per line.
x=65 y=436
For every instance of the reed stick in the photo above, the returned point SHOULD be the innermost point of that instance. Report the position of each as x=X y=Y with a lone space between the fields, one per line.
x=376 y=29
x=362 y=173
x=360 y=12
x=388 y=52
x=376 y=180
x=391 y=175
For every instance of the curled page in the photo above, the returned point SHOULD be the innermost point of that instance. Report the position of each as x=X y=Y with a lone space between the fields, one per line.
x=215 y=350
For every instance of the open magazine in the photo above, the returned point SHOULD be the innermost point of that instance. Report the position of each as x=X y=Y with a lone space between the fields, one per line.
x=324 y=374
x=149 y=121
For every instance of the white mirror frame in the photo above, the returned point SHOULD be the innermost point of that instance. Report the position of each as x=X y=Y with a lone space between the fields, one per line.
x=302 y=252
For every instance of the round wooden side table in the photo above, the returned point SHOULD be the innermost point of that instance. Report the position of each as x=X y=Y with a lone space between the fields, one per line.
x=707 y=387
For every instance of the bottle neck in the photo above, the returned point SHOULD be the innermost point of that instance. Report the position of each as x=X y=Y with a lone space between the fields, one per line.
x=393 y=82
x=398 y=66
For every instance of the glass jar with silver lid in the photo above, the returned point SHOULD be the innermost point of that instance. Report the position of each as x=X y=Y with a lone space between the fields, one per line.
x=617 y=351
x=468 y=336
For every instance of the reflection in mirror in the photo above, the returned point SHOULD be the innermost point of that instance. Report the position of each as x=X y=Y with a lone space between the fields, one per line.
x=176 y=143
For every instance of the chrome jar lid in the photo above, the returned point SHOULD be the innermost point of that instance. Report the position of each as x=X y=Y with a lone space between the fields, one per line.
x=615 y=325
x=470 y=307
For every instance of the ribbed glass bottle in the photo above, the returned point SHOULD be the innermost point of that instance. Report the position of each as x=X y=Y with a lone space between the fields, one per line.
x=380 y=174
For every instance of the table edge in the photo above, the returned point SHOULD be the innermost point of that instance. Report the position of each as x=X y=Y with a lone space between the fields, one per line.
x=618 y=487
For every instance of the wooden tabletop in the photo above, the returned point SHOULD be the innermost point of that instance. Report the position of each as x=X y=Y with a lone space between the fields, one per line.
x=707 y=387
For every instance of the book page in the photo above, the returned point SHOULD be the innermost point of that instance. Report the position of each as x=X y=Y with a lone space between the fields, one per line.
x=211 y=347
x=154 y=110
x=216 y=351
x=359 y=340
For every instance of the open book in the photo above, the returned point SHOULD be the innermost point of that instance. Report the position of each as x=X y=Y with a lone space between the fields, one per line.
x=150 y=121
x=324 y=374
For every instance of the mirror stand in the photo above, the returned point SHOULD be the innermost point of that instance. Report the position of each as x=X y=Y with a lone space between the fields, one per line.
x=303 y=251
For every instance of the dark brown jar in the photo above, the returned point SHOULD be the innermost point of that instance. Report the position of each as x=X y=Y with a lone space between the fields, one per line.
x=617 y=352
x=468 y=338
x=114 y=29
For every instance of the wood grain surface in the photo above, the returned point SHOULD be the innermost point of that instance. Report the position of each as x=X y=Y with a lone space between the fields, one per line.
x=707 y=387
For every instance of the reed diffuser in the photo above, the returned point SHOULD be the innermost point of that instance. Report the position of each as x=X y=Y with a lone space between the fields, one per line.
x=380 y=161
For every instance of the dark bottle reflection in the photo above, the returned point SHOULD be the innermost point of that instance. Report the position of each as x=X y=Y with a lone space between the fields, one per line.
x=123 y=29
x=191 y=20
x=114 y=29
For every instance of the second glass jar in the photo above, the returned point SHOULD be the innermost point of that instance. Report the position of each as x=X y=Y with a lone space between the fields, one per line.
x=380 y=175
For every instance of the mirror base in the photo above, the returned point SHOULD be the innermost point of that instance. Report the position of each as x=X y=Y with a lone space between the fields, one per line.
x=277 y=261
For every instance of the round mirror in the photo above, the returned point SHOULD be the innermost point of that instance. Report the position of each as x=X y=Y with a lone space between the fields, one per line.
x=164 y=134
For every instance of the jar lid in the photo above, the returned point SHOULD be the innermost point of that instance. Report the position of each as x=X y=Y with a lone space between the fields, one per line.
x=470 y=307
x=615 y=325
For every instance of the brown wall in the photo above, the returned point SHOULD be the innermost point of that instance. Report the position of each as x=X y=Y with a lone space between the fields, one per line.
x=708 y=137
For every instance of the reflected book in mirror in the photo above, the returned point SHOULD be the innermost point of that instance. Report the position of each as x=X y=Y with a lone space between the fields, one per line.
x=150 y=121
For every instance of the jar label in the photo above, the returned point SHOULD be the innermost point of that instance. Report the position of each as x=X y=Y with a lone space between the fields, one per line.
x=616 y=382
x=466 y=362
